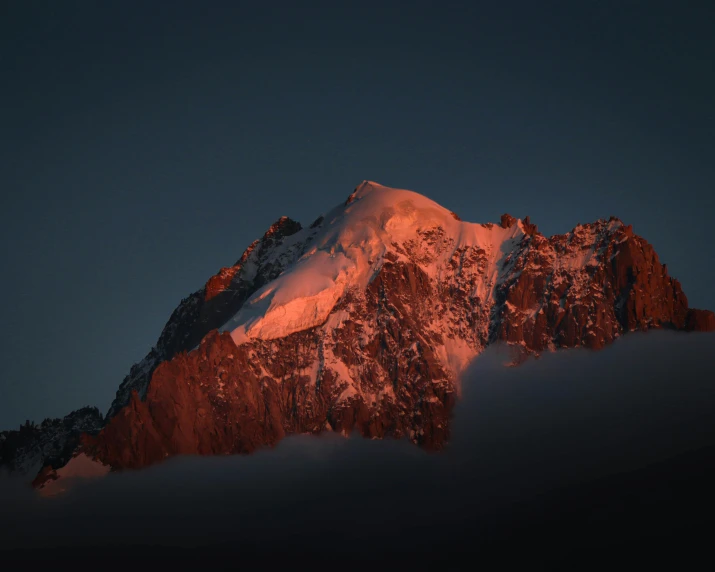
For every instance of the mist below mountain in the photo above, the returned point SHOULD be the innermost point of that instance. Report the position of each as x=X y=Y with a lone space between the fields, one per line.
x=575 y=452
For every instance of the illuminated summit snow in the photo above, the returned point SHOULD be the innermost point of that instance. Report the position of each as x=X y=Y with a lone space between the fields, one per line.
x=349 y=251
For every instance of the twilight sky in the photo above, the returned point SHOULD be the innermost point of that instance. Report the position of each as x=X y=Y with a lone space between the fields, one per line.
x=145 y=145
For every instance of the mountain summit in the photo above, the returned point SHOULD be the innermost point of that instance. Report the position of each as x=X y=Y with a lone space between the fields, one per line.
x=364 y=321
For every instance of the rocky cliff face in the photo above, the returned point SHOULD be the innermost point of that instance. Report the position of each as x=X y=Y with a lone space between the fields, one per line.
x=586 y=288
x=211 y=306
x=365 y=320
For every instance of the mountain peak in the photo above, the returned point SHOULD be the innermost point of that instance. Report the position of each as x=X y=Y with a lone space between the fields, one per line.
x=348 y=250
x=366 y=319
x=362 y=189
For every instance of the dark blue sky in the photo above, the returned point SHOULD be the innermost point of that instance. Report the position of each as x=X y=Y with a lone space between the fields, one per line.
x=144 y=147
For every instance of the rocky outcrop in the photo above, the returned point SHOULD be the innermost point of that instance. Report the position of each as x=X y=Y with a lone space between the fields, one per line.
x=586 y=288
x=220 y=282
x=700 y=321
x=530 y=228
x=507 y=221
x=50 y=444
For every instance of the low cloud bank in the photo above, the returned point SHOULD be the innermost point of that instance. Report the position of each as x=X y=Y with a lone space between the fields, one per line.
x=532 y=446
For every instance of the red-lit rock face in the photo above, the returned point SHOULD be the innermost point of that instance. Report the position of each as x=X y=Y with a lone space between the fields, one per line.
x=700 y=321
x=222 y=398
x=585 y=288
x=220 y=282
x=549 y=300
x=208 y=308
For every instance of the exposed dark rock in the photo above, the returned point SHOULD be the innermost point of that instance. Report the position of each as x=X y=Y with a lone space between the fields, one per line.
x=51 y=443
x=700 y=321
x=529 y=227
x=507 y=221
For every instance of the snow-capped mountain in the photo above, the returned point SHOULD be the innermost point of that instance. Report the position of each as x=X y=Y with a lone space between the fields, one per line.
x=365 y=320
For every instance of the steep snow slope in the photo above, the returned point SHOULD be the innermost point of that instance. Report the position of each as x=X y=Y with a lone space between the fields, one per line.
x=349 y=250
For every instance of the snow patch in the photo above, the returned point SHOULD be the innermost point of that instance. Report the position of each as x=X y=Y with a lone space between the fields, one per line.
x=79 y=467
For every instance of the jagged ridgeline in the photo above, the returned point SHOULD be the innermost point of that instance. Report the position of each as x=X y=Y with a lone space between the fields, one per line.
x=364 y=321
x=52 y=442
